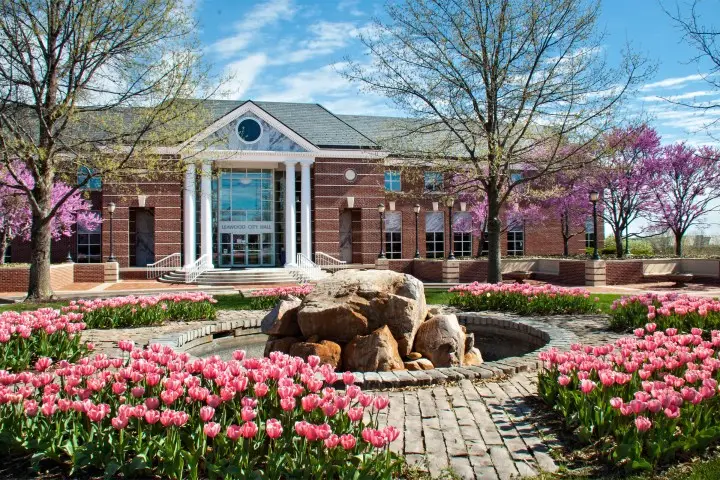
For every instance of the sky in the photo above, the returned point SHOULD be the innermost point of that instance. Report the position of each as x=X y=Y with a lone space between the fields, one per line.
x=290 y=50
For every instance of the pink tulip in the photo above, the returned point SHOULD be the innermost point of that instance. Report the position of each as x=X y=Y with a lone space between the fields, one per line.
x=211 y=429
x=643 y=424
x=119 y=423
x=381 y=403
x=332 y=441
x=347 y=441
x=348 y=378
x=206 y=413
x=248 y=429
x=273 y=428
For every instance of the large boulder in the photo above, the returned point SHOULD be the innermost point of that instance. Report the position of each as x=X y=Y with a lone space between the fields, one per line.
x=282 y=319
x=329 y=352
x=356 y=302
x=419 y=364
x=377 y=351
x=441 y=340
x=279 y=344
x=472 y=354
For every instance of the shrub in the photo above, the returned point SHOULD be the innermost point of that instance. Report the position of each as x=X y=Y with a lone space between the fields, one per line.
x=266 y=298
x=644 y=398
x=27 y=336
x=158 y=412
x=670 y=310
x=135 y=311
x=522 y=299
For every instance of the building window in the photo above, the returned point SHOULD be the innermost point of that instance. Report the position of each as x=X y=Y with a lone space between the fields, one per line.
x=589 y=233
x=8 y=254
x=433 y=181
x=95 y=183
x=462 y=238
x=516 y=241
x=393 y=235
x=485 y=247
x=392 y=181
x=434 y=235
x=249 y=130
x=89 y=243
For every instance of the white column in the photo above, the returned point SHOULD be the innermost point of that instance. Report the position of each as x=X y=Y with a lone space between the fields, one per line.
x=189 y=215
x=290 y=211
x=305 y=230
x=206 y=212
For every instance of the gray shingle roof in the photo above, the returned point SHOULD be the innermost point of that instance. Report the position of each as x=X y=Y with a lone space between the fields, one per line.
x=309 y=120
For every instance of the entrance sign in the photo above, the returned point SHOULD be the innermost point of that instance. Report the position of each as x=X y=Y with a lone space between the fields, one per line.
x=246 y=227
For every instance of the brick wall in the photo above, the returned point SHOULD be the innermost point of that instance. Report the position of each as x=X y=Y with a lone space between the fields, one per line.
x=571 y=272
x=428 y=270
x=473 y=271
x=133 y=274
x=14 y=279
x=89 y=272
x=61 y=275
x=402 y=266
x=623 y=272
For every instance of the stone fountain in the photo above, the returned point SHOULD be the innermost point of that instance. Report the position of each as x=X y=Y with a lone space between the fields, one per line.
x=369 y=320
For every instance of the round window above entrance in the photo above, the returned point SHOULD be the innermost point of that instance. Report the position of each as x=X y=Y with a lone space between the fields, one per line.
x=249 y=130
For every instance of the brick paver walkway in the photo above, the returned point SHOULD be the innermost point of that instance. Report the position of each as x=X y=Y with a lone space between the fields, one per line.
x=481 y=430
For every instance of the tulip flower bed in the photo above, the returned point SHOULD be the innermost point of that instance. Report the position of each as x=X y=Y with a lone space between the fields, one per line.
x=667 y=311
x=157 y=412
x=266 y=298
x=132 y=311
x=645 y=398
x=522 y=299
x=27 y=336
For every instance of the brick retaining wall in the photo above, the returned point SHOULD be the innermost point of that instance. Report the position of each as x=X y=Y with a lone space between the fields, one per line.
x=89 y=272
x=623 y=272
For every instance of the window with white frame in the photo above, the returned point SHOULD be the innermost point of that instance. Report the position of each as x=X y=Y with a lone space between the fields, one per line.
x=392 y=181
x=516 y=241
x=393 y=234
x=89 y=243
x=434 y=235
x=433 y=181
x=462 y=236
x=589 y=233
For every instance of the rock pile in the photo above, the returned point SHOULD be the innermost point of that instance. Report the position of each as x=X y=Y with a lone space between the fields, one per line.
x=369 y=320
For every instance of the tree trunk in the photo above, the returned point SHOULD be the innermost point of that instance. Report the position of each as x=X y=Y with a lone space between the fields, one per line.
x=566 y=248
x=619 y=244
x=39 y=288
x=494 y=227
x=3 y=245
x=678 y=244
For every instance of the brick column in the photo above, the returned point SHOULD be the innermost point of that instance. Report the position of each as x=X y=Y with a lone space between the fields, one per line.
x=595 y=273
x=451 y=271
x=112 y=272
x=382 y=264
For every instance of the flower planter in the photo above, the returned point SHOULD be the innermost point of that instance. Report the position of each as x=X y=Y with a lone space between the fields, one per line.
x=518 y=276
x=680 y=279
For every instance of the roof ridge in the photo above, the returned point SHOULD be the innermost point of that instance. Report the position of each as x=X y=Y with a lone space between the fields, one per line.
x=350 y=126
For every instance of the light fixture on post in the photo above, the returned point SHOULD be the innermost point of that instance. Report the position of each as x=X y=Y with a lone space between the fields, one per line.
x=416 y=209
x=594 y=198
x=111 y=209
x=381 y=211
x=449 y=203
x=141 y=200
x=350 y=202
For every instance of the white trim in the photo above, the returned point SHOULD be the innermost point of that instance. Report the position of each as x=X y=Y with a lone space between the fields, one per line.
x=237 y=132
x=246 y=107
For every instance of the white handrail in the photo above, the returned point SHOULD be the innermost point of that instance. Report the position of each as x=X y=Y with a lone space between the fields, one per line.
x=304 y=269
x=323 y=260
x=169 y=263
x=199 y=266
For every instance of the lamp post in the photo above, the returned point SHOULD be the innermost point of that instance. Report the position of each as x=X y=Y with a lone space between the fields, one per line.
x=381 y=211
x=111 y=209
x=594 y=198
x=69 y=259
x=449 y=203
x=416 y=209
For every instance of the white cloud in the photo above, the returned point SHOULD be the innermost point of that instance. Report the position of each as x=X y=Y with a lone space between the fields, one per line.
x=677 y=98
x=673 y=82
x=242 y=74
x=350 y=6
x=326 y=38
x=246 y=29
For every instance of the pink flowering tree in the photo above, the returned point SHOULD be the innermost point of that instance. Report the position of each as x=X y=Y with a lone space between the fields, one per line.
x=569 y=203
x=16 y=214
x=623 y=177
x=686 y=184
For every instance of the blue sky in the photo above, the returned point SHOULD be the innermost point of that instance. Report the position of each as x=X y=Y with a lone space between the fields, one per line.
x=288 y=50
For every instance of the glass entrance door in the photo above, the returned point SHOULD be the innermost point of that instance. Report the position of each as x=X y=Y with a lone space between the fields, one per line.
x=246 y=250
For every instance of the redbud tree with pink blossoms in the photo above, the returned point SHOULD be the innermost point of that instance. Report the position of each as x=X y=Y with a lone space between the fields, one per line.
x=569 y=203
x=623 y=177
x=16 y=214
x=685 y=185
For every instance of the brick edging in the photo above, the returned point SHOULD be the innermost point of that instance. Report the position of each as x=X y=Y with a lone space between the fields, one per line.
x=537 y=332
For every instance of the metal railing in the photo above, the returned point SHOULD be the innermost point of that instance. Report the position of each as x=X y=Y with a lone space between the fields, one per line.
x=166 y=264
x=328 y=262
x=304 y=269
x=198 y=267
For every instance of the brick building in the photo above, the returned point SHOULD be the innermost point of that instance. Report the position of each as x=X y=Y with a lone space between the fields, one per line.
x=271 y=180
